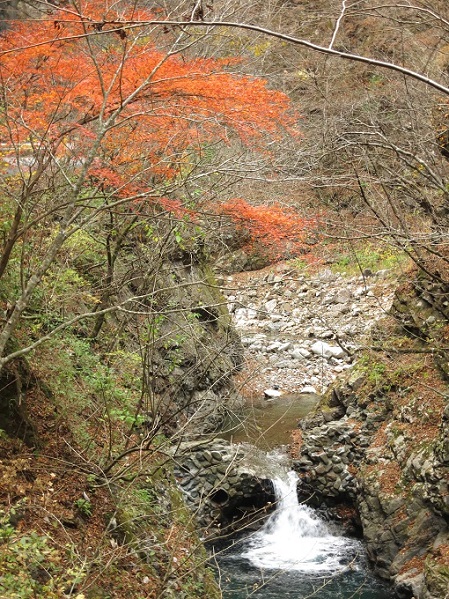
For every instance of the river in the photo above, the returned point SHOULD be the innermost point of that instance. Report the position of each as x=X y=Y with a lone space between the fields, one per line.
x=295 y=555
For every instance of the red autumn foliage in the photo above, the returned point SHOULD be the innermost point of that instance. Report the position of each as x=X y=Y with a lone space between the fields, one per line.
x=84 y=81
x=275 y=231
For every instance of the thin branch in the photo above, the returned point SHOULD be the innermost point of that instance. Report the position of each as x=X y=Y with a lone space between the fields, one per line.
x=258 y=29
x=338 y=23
x=120 y=307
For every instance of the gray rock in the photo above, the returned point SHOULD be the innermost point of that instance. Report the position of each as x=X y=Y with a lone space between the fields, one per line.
x=308 y=389
x=343 y=296
x=270 y=305
x=320 y=348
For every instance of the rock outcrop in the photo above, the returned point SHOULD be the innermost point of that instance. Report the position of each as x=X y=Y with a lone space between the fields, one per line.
x=225 y=485
x=380 y=442
x=196 y=349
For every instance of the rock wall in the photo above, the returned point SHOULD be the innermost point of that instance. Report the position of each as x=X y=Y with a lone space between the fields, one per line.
x=226 y=485
x=196 y=349
x=380 y=443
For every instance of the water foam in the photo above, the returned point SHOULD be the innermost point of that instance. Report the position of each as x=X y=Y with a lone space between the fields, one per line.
x=294 y=538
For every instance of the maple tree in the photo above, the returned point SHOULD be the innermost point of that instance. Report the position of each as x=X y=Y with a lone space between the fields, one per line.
x=273 y=230
x=383 y=140
x=101 y=125
x=147 y=107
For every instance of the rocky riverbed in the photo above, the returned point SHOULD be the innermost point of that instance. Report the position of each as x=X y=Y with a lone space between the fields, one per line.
x=375 y=450
x=301 y=330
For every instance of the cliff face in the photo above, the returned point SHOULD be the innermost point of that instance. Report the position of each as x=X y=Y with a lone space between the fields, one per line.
x=194 y=348
x=381 y=444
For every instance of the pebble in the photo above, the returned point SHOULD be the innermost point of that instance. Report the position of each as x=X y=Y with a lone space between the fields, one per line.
x=308 y=389
x=272 y=393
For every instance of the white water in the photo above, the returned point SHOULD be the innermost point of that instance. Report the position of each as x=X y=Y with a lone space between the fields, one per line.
x=294 y=538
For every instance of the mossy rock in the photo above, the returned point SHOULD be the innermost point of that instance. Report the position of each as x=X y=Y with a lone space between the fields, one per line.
x=437 y=578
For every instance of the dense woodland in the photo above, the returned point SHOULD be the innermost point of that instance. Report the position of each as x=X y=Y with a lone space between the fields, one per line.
x=146 y=149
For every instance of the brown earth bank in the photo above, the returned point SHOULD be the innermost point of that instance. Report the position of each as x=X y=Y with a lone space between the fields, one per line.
x=89 y=505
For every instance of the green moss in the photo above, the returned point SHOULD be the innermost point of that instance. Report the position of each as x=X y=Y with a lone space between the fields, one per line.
x=437 y=577
x=371 y=257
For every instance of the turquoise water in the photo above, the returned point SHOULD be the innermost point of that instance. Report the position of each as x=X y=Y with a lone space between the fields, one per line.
x=268 y=424
x=295 y=555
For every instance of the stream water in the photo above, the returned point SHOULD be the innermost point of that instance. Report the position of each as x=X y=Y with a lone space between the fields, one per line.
x=296 y=555
x=268 y=424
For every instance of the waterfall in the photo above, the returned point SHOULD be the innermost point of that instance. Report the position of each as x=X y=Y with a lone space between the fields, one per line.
x=295 y=538
x=295 y=554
